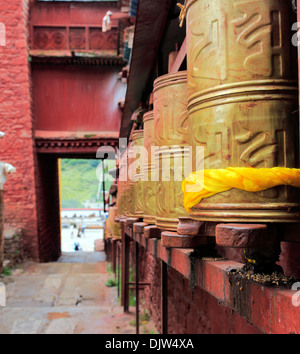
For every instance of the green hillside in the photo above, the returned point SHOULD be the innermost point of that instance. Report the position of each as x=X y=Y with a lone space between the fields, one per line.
x=79 y=182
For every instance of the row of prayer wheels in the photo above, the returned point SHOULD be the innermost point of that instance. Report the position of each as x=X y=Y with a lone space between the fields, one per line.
x=156 y=200
x=238 y=99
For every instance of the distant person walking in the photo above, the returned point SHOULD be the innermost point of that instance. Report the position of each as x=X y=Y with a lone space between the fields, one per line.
x=73 y=226
x=77 y=246
x=79 y=231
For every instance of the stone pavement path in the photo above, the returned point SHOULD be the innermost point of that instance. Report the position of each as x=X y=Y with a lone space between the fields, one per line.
x=65 y=297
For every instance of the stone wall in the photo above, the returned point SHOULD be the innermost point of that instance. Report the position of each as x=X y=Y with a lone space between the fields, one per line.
x=17 y=146
x=13 y=248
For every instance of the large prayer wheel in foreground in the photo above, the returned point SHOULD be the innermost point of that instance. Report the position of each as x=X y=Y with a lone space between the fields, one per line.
x=242 y=101
x=172 y=139
x=236 y=40
x=149 y=185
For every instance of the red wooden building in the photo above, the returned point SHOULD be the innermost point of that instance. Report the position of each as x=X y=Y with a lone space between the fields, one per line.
x=61 y=96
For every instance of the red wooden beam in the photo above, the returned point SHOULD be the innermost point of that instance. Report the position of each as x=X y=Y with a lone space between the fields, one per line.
x=73 y=146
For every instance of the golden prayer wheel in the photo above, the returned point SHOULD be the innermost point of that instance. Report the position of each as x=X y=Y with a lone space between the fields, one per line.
x=171 y=137
x=126 y=185
x=121 y=201
x=130 y=186
x=130 y=200
x=248 y=124
x=149 y=185
x=127 y=196
x=169 y=195
x=106 y=233
x=120 y=196
x=171 y=121
x=138 y=196
x=233 y=41
x=113 y=228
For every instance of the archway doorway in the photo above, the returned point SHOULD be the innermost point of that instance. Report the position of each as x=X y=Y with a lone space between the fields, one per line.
x=48 y=175
x=84 y=186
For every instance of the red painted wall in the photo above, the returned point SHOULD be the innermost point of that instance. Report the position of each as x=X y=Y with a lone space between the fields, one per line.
x=68 y=98
x=60 y=13
x=17 y=146
x=190 y=311
x=57 y=26
x=64 y=98
x=77 y=98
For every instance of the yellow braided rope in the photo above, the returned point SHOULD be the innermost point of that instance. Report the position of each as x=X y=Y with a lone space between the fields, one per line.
x=195 y=188
x=182 y=13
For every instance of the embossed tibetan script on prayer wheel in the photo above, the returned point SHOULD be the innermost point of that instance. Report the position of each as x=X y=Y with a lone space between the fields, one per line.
x=172 y=141
x=170 y=110
x=169 y=195
x=237 y=40
x=120 y=198
x=128 y=187
x=249 y=124
x=137 y=193
x=243 y=101
x=148 y=184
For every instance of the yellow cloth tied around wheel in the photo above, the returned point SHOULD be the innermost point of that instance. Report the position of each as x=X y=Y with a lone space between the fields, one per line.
x=204 y=184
